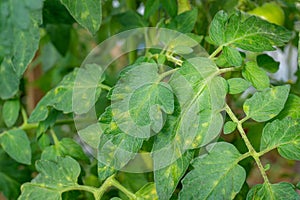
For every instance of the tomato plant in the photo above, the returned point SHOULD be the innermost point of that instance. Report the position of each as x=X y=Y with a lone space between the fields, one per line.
x=156 y=99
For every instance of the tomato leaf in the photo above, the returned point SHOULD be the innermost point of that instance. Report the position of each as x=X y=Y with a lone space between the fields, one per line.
x=266 y=104
x=212 y=172
x=283 y=135
x=247 y=32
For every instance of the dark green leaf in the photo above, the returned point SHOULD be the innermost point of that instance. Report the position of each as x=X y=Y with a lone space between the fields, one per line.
x=87 y=13
x=247 y=32
x=170 y=6
x=77 y=92
x=184 y=22
x=266 y=104
x=8 y=186
x=232 y=56
x=257 y=76
x=16 y=143
x=61 y=41
x=283 y=135
x=52 y=180
x=291 y=108
x=229 y=127
x=279 y=191
x=151 y=7
x=130 y=20
x=10 y=111
x=267 y=62
x=237 y=85
x=216 y=175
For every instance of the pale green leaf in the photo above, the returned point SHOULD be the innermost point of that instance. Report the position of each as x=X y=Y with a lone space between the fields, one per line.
x=291 y=108
x=87 y=13
x=16 y=143
x=10 y=111
x=216 y=175
x=52 y=180
x=257 y=76
x=229 y=127
x=77 y=92
x=147 y=192
x=9 y=80
x=283 y=135
x=91 y=135
x=278 y=191
x=233 y=56
x=237 y=85
x=247 y=32
x=266 y=104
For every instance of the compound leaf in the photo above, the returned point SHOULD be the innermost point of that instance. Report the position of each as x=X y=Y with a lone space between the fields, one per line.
x=247 y=32
x=255 y=75
x=266 y=104
x=237 y=85
x=283 y=135
x=216 y=175
x=279 y=191
x=87 y=13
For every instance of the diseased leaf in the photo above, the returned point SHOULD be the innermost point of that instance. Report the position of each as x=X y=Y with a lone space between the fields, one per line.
x=52 y=180
x=147 y=192
x=77 y=92
x=266 y=104
x=139 y=103
x=255 y=75
x=232 y=56
x=229 y=127
x=247 y=32
x=291 y=108
x=16 y=143
x=167 y=178
x=279 y=191
x=19 y=39
x=91 y=135
x=237 y=85
x=216 y=175
x=87 y=13
x=283 y=135
x=10 y=111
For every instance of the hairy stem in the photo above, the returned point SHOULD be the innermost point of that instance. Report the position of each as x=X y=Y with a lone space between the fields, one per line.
x=26 y=126
x=216 y=52
x=252 y=151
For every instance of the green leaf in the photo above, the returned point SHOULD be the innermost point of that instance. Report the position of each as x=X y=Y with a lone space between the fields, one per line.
x=266 y=104
x=232 y=56
x=77 y=92
x=201 y=95
x=115 y=150
x=170 y=6
x=19 y=39
x=147 y=192
x=16 y=143
x=247 y=32
x=267 y=62
x=8 y=186
x=279 y=191
x=9 y=80
x=229 y=127
x=87 y=13
x=10 y=112
x=257 y=76
x=167 y=178
x=52 y=180
x=216 y=175
x=283 y=135
x=91 y=135
x=237 y=85
x=184 y=22
x=140 y=102
x=291 y=108
x=151 y=7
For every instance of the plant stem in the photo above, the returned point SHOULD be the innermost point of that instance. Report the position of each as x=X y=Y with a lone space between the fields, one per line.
x=105 y=87
x=171 y=58
x=252 y=151
x=26 y=126
x=230 y=69
x=218 y=50
x=167 y=73
x=55 y=139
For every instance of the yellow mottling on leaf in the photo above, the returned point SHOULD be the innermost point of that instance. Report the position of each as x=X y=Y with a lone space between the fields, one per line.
x=84 y=15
